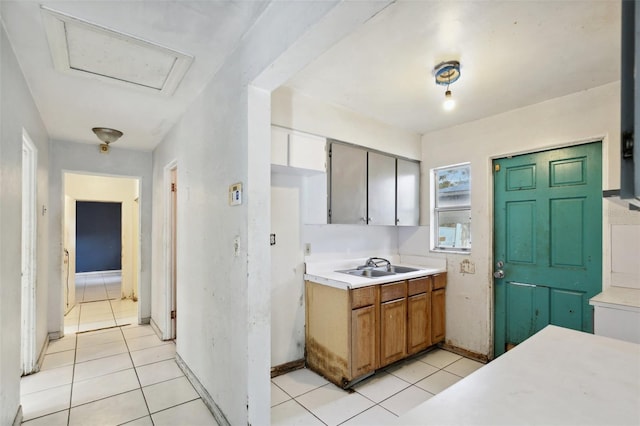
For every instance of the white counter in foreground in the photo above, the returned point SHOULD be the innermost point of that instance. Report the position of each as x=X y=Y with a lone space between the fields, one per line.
x=556 y=377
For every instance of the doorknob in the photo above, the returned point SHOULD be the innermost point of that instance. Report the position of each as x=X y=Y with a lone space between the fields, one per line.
x=498 y=274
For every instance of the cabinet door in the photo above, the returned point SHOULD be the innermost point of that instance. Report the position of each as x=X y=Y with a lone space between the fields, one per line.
x=348 y=185
x=381 y=190
x=363 y=341
x=419 y=329
x=279 y=146
x=307 y=151
x=393 y=331
x=437 y=316
x=408 y=190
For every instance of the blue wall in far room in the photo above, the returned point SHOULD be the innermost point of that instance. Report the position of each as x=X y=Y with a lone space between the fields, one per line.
x=98 y=236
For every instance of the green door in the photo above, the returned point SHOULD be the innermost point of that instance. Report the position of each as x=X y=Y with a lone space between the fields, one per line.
x=547 y=242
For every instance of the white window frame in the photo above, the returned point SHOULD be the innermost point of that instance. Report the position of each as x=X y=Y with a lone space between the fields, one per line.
x=435 y=210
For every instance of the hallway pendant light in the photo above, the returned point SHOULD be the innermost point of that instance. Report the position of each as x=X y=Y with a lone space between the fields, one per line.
x=107 y=136
x=447 y=73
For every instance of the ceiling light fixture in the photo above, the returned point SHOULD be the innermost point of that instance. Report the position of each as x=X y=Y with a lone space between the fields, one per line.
x=447 y=73
x=107 y=136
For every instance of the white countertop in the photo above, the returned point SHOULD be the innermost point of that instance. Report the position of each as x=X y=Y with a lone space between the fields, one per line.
x=618 y=297
x=556 y=377
x=325 y=272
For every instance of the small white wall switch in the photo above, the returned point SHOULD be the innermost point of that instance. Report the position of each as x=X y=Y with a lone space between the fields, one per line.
x=235 y=194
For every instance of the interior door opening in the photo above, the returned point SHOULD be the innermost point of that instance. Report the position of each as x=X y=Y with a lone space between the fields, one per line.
x=101 y=246
x=28 y=256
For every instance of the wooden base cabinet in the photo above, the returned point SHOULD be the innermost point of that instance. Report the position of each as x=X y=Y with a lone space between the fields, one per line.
x=438 y=325
x=352 y=333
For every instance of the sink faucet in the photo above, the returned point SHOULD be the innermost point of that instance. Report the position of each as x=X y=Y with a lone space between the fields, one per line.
x=374 y=262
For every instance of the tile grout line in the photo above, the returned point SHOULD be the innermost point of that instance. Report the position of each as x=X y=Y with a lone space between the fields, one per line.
x=135 y=371
x=73 y=374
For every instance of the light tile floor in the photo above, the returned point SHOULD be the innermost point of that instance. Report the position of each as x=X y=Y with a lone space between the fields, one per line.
x=113 y=376
x=304 y=398
x=99 y=304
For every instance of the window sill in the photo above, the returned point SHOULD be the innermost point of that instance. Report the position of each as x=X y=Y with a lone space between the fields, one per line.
x=450 y=251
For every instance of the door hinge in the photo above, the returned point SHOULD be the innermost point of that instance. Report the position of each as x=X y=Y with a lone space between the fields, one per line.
x=496 y=167
x=173 y=187
x=173 y=314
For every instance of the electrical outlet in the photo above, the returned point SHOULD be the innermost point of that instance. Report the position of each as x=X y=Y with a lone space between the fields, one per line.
x=467 y=267
x=307 y=249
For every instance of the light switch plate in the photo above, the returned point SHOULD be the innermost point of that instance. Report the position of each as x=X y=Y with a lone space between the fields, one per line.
x=235 y=194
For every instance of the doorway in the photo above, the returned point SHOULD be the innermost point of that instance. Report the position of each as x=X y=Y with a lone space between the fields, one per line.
x=29 y=247
x=171 y=253
x=547 y=241
x=104 y=277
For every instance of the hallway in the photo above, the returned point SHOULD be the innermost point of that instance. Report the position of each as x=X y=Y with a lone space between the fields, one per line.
x=98 y=304
x=120 y=374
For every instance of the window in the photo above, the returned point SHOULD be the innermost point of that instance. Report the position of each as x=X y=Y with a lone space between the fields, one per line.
x=451 y=228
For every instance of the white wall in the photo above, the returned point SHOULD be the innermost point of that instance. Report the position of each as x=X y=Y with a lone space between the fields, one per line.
x=585 y=116
x=18 y=112
x=297 y=111
x=86 y=159
x=118 y=190
x=223 y=138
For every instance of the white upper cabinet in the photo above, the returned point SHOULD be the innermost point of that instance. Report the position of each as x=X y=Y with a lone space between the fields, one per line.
x=279 y=146
x=300 y=150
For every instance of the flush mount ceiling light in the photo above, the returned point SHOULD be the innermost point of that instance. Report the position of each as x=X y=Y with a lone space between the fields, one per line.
x=447 y=73
x=82 y=48
x=107 y=136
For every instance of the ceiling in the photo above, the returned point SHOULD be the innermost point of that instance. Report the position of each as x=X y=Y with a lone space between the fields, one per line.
x=70 y=105
x=512 y=54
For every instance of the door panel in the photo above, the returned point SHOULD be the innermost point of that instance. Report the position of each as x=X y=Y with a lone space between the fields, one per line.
x=381 y=189
x=527 y=310
x=548 y=233
x=348 y=185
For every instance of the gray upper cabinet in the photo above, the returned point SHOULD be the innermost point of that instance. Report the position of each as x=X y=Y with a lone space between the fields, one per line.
x=367 y=187
x=348 y=185
x=408 y=193
x=381 y=189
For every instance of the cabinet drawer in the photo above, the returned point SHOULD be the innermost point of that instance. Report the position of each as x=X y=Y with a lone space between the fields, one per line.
x=364 y=296
x=439 y=281
x=419 y=285
x=393 y=291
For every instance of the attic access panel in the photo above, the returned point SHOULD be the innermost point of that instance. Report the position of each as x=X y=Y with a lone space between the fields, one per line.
x=82 y=48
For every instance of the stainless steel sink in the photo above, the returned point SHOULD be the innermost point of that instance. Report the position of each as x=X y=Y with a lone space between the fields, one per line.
x=402 y=269
x=367 y=273
x=381 y=271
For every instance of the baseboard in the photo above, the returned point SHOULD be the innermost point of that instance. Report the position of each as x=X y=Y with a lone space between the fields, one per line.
x=17 y=420
x=55 y=335
x=465 y=353
x=206 y=397
x=43 y=351
x=287 y=367
x=145 y=320
x=157 y=330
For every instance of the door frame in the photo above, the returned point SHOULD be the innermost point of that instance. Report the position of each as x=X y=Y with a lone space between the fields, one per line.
x=29 y=244
x=170 y=248
x=604 y=146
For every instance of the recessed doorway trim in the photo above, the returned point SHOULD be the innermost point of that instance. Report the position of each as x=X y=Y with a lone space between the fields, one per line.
x=29 y=246
x=170 y=248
